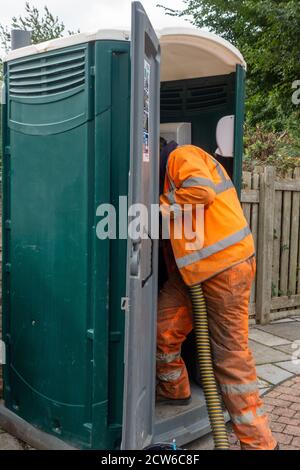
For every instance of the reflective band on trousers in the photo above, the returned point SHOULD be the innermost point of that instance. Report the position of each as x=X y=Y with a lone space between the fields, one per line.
x=236 y=389
x=212 y=249
x=171 y=376
x=246 y=418
x=167 y=358
x=260 y=411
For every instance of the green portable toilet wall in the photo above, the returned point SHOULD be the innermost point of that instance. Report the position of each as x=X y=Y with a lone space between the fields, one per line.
x=67 y=146
x=67 y=139
x=1 y=140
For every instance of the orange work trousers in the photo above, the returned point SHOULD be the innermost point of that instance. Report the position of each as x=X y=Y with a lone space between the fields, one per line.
x=227 y=299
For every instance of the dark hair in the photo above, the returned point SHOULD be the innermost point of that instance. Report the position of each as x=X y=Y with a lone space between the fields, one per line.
x=162 y=143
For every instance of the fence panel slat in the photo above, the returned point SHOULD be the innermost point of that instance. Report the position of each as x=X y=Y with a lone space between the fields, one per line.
x=292 y=286
x=265 y=245
x=254 y=228
x=247 y=185
x=285 y=242
x=298 y=265
x=287 y=185
x=298 y=269
x=285 y=302
x=250 y=196
x=276 y=243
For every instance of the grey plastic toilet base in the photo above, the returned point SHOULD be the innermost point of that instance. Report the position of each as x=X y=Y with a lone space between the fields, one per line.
x=183 y=423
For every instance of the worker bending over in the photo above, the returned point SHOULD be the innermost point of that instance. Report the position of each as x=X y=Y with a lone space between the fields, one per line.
x=225 y=266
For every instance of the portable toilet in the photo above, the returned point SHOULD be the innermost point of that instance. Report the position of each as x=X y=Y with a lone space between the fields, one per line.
x=79 y=312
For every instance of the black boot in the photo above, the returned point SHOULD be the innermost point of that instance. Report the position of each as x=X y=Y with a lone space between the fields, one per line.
x=160 y=400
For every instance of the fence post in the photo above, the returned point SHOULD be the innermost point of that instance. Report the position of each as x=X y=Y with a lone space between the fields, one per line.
x=265 y=245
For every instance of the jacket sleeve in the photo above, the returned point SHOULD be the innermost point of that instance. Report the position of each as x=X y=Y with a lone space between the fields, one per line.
x=192 y=180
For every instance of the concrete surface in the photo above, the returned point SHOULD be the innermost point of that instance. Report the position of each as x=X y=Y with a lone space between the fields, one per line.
x=279 y=382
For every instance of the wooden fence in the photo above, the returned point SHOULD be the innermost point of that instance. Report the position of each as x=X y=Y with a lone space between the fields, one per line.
x=272 y=208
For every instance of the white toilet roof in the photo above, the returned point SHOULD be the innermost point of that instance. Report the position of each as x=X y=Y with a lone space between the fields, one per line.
x=193 y=53
x=186 y=52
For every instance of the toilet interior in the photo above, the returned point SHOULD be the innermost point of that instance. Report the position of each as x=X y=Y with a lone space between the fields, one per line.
x=201 y=102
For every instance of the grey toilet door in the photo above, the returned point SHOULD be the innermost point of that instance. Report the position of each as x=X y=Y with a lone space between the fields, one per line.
x=139 y=387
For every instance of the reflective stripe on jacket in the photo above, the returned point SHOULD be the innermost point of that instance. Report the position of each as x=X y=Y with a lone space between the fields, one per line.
x=195 y=177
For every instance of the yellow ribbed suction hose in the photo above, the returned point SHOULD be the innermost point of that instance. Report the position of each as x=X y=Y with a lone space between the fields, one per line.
x=209 y=384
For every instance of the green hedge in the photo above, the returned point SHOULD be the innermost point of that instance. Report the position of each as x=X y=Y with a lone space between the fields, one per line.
x=265 y=147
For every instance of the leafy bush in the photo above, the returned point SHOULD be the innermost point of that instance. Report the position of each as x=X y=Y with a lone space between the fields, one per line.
x=267 y=32
x=266 y=146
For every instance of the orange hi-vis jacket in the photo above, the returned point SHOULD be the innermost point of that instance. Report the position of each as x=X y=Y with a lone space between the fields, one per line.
x=194 y=177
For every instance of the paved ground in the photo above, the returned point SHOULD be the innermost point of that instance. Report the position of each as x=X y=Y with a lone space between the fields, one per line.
x=276 y=348
x=283 y=406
